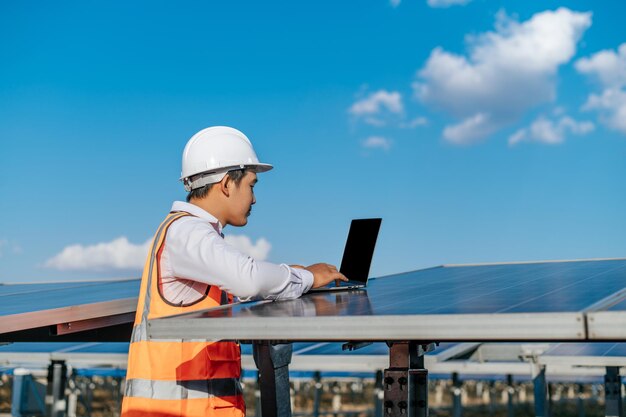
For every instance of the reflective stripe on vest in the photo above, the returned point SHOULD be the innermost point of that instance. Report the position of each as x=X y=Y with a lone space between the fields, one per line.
x=171 y=390
x=187 y=377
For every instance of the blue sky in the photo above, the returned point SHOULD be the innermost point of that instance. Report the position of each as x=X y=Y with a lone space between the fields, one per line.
x=481 y=131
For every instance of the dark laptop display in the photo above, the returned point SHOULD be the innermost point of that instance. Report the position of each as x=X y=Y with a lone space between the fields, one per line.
x=357 y=255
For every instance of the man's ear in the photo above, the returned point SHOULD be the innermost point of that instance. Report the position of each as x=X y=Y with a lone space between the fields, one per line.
x=225 y=185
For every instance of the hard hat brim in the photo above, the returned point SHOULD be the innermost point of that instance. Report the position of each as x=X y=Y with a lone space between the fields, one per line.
x=260 y=167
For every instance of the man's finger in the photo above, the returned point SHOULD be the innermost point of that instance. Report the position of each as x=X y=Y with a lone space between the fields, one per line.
x=341 y=277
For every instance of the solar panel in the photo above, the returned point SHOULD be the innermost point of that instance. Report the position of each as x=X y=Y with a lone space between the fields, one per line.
x=71 y=308
x=599 y=349
x=524 y=301
x=586 y=354
x=25 y=298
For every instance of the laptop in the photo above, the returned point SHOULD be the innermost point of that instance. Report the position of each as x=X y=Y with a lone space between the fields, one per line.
x=357 y=255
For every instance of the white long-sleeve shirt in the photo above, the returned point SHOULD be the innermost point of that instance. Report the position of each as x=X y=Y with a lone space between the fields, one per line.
x=196 y=255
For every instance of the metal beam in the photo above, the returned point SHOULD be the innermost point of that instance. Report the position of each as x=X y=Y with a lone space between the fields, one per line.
x=607 y=325
x=442 y=327
x=77 y=326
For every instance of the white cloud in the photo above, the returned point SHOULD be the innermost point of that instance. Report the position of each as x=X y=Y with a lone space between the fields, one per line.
x=609 y=68
x=122 y=255
x=469 y=130
x=612 y=103
x=375 y=108
x=377 y=142
x=505 y=73
x=447 y=3
x=116 y=254
x=551 y=132
x=258 y=250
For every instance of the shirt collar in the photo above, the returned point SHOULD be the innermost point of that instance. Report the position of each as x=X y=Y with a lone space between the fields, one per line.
x=198 y=212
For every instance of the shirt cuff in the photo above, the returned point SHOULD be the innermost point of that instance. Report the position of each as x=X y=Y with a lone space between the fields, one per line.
x=306 y=278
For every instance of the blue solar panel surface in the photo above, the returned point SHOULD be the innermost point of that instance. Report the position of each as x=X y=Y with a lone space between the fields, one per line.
x=26 y=298
x=588 y=349
x=505 y=288
x=525 y=287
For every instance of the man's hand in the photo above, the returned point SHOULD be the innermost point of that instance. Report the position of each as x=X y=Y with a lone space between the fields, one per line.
x=323 y=274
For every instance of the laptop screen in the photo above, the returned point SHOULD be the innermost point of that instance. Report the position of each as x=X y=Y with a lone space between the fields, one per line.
x=357 y=255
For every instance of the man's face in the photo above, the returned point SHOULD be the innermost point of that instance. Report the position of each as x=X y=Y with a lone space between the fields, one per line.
x=242 y=199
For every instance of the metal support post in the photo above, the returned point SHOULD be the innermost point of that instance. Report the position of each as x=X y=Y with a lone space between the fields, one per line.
x=510 y=393
x=550 y=397
x=317 y=396
x=490 y=391
x=378 y=394
x=613 y=392
x=19 y=392
x=27 y=396
x=541 y=392
x=55 y=393
x=273 y=364
x=579 y=401
x=406 y=381
x=457 y=406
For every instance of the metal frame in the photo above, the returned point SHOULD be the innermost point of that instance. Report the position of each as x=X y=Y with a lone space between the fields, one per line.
x=607 y=325
x=440 y=327
x=78 y=326
x=546 y=261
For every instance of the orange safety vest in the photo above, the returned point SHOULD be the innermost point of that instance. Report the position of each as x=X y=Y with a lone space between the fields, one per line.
x=179 y=377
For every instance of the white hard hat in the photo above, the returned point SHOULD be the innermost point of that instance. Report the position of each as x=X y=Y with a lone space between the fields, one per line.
x=213 y=152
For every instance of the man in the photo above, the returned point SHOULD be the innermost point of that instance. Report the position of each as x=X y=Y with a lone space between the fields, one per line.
x=189 y=268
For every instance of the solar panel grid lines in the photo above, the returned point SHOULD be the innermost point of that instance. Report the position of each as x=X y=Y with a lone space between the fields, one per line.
x=587 y=349
x=500 y=278
x=73 y=304
x=476 y=292
x=437 y=286
x=65 y=295
x=621 y=268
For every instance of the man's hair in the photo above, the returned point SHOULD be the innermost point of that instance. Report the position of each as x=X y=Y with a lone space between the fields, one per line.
x=236 y=176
